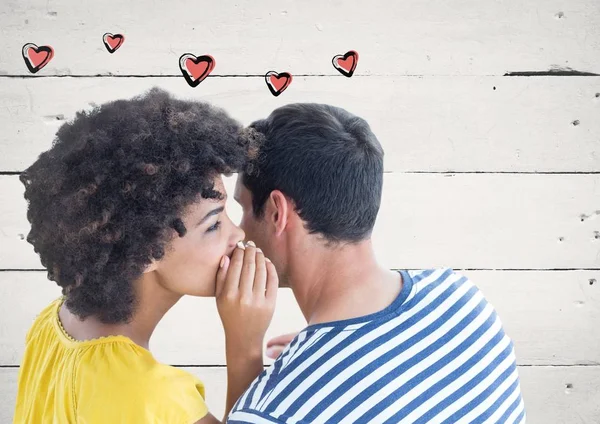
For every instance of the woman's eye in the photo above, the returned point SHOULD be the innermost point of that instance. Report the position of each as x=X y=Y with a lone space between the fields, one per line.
x=214 y=227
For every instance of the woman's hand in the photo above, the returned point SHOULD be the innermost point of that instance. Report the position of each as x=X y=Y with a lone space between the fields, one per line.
x=246 y=292
x=277 y=344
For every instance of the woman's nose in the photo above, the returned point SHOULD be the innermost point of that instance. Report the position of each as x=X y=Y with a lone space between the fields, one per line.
x=239 y=234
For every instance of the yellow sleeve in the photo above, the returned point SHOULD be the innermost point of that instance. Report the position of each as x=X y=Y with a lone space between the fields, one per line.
x=133 y=388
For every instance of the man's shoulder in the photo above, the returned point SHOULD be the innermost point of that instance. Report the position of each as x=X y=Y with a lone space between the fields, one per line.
x=427 y=275
x=432 y=278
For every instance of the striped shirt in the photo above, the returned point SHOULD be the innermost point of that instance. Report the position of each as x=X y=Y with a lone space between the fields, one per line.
x=437 y=354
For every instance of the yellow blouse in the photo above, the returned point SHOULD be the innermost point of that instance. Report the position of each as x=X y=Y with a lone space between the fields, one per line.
x=101 y=381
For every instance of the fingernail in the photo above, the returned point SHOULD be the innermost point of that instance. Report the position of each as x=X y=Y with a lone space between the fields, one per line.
x=267 y=259
x=250 y=243
x=222 y=262
x=258 y=249
x=240 y=244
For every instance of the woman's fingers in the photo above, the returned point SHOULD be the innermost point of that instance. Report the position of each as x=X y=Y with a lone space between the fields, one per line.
x=248 y=270
x=277 y=344
x=247 y=299
x=282 y=340
x=272 y=282
x=232 y=281
x=260 y=276
x=273 y=352
x=222 y=275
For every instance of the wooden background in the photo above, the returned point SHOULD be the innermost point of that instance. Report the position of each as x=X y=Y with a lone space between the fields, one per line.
x=496 y=176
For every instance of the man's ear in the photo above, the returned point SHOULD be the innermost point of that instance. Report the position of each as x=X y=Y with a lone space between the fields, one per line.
x=278 y=208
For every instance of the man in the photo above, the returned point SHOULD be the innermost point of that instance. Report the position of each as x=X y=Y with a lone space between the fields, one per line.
x=381 y=346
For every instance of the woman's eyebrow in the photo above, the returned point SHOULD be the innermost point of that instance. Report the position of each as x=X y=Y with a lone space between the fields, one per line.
x=211 y=213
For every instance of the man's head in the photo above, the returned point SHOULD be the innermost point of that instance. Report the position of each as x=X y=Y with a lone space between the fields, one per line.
x=318 y=176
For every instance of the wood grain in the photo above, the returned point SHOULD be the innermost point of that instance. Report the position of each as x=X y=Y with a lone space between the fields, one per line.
x=425 y=124
x=551 y=316
x=246 y=38
x=481 y=221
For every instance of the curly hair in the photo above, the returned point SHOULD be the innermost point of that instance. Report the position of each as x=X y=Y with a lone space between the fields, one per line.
x=103 y=201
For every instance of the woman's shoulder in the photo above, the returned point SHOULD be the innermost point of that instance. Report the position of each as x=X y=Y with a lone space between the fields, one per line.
x=43 y=318
x=114 y=372
x=122 y=359
x=114 y=357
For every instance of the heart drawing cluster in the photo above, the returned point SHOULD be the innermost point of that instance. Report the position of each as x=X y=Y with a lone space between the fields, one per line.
x=194 y=68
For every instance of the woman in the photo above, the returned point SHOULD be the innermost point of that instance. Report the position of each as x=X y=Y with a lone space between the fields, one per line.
x=127 y=213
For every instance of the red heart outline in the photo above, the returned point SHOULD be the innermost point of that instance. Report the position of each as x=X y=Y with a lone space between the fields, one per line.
x=36 y=57
x=113 y=42
x=196 y=69
x=346 y=64
x=278 y=82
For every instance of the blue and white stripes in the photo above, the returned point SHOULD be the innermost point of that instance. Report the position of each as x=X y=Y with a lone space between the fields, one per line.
x=438 y=354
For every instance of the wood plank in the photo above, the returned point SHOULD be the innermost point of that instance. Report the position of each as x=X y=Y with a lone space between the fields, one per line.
x=550 y=315
x=410 y=37
x=547 y=398
x=481 y=221
x=431 y=124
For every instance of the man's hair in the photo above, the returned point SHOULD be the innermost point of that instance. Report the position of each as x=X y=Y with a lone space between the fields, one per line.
x=327 y=161
x=103 y=201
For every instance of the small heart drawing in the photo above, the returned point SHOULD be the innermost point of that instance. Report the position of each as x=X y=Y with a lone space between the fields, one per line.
x=113 y=42
x=346 y=63
x=277 y=82
x=36 y=57
x=195 y=69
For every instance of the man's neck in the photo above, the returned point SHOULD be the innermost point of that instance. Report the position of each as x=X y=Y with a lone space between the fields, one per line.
x=334 y=285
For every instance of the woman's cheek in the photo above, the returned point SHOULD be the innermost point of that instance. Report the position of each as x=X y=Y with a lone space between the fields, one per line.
x=214 y=251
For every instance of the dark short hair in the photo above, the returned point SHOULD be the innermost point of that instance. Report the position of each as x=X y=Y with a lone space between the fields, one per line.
x=327 y=161
x=104 y=199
